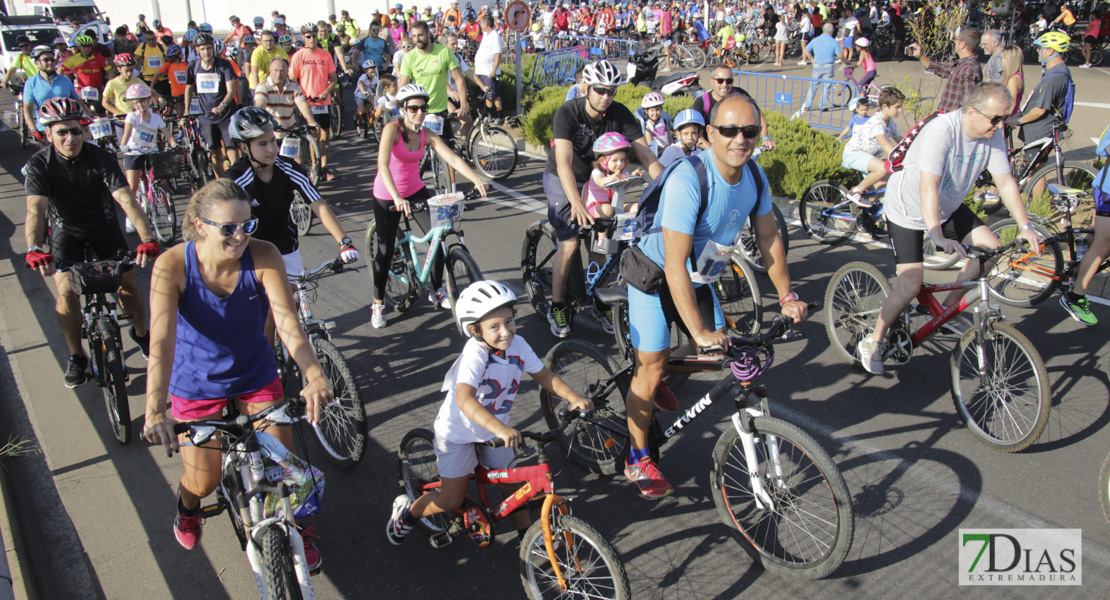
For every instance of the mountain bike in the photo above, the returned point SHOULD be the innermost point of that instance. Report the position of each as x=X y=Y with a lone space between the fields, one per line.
x=197 y=154
x=259 y=497
x=154 y=195
x=1027 y=277
x=776 y=489
x=561 y=555
x=94 y=280
x=999 y=382
x=747 y=246
x=406 y=280
x=342 y=427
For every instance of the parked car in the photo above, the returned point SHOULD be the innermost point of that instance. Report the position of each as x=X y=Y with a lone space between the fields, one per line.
x=39 y=29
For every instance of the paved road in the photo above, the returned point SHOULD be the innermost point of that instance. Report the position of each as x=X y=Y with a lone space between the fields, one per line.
x=98 y=516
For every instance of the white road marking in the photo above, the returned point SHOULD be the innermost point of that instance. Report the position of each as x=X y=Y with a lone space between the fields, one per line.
x=1094 y=104
x=523 y=202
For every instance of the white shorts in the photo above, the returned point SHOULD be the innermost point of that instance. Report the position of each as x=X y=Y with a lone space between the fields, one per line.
x=293 y=264
x=460 y=460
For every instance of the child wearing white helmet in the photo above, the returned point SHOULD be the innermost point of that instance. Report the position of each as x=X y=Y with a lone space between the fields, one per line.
x=688 y=126
x=655 y=122
x=141 y=127
x=481 y=387
x=364 y=89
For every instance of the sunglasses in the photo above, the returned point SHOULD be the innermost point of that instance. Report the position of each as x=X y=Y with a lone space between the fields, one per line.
x=308 y=35
x=229 y=229
x=728 y=80
x=730 y=131
x=69 y=131
x=995 y=121
x=604 y=91
x=415 y=108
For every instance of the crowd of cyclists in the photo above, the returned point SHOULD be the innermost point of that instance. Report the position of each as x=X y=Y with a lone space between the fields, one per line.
x=246 y=89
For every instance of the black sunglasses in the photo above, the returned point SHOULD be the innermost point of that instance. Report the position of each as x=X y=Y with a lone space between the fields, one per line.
x=70 y=131
x=719 y=80
x=308 y=35
x=229 y=229
x=415 y=108
x=995 y=121
x=730 y=131
x=25 y=45
x=604 y=91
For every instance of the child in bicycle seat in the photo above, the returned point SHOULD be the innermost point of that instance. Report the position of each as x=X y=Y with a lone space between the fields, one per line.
x=364 y=90
x=611 y=150
x=872 y=142
x=481 y=388
x=860 y=107
x=655 y=122
x=387 y=103
x=140 y=137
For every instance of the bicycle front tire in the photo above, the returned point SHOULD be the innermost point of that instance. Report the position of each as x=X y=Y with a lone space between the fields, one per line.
x=416 y=467
x=494 y=151
x=342 y=427
x=1073 y=174
x=277 y=565
x=855 y=295
x=163 y=214
x=1021 y=276
x=808 y=532
x=1012 y=411
x=462 y=270
x=401 y=286
x=115 y=385
x=817 y=213
x=749 y=245
x=300 y=213
x=589 y=565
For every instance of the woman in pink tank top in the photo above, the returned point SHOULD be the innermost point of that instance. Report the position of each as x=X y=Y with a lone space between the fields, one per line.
x=399 y=190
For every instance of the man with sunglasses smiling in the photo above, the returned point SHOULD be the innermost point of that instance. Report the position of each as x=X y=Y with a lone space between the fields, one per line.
x=576 y=125
x=681 y=230
x=722 y=88
x=925 y=198
x=77 y=185
x=22 y=61
x=47 y=84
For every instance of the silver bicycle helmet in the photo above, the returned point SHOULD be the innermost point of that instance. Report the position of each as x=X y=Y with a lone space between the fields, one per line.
x=410 y=91
x=688 y=116
x=249 y=123
x=602 y=73
x=480 y=299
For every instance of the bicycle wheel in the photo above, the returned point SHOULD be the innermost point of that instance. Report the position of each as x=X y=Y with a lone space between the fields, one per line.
x=935 y=260
x=583 y=367
x=1096 y=57
x=1000 y=387
x=826 y=213
x=807 y=532
x=852 y=302
x=309 y=157
x=342 y=428
x=163 y=215
x=494 y=151
x=462 y=270
x=401 y=287
x=749 y=246
x=115 y=382
x=1022 y=276
x=1072 y=174
x=537 y=254
x=336 y=114
x=300 y=213
x=417 y=468
x=376 y=130
x=622 y=330
x=1104 y=488
x=689 y=57
x=738 y=292
x=277 y=565
x=227 y=492
x=589 y=565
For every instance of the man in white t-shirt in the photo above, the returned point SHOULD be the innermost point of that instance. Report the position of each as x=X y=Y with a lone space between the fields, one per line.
x=487 y=64
x=925 y=198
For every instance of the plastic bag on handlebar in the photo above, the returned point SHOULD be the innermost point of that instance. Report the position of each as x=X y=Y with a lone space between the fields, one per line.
x=305 y=481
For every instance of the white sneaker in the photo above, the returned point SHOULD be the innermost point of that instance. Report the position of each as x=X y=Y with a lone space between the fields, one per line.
x=440 y=299
x=870 y=355
x=1086 y=66
x=857 y=198
x=127 y=226
x=377 y=315
x=839 y=62
x=802 y=63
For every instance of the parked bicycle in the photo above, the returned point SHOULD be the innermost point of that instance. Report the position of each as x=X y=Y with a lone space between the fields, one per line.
x=342 y=427
x=999 y=382
x=561 y=555
x=259 y=498
x=491 y=149
x=776 y=489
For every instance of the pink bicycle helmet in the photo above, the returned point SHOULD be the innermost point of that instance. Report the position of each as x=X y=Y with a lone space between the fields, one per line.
x=610 y=142
x=651 y=100
x=136 y=91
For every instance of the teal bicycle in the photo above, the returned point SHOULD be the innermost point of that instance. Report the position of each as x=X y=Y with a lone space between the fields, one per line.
x=409 y=274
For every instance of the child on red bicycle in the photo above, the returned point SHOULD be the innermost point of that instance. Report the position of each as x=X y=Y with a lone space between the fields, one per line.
x=481 y=387
x=141 y=127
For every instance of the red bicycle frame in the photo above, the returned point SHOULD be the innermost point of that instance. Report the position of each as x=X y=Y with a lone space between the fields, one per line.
x=939 y=315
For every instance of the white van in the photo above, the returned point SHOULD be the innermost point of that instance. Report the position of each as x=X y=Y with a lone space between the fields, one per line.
x=40 y=30
x=74 y=17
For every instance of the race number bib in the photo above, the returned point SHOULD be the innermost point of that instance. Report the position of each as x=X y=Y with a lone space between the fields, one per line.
x=154 y=62
x=90 y=93
x=208 y=83
x=434 y=123
x=181 y=76
x=194 y=106
x=712 y=262
x=291 y=147
x=319 y=109
x=146 y=135
x=625 y=228
x=101 y=127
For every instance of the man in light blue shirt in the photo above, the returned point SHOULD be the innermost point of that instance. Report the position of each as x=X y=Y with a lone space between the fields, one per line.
x=823 y=50
x=47 y=84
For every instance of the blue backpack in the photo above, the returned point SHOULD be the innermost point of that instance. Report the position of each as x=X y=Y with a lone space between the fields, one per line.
x=653 y=193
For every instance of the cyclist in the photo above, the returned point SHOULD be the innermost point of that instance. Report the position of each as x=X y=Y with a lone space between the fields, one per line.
x=688 y=126
x=429 y=65
x=140 y=137
x=872 y=142
x=46 y=84
x=115 y=100
x=1048 y=99
x=262 y=56
x=732 y=197
x=172 y=78
x=238 y=30
x=481 y=388
x=74 y=184
x=283 y=98
x=926 y=198
x=151 y=55
x=487 y=66
x=22 y=61
x=210 y=297
x=655 y=122
x=364 y=89
x=576 y=126
x=466 y=122
x=312 y=67
x=212 y=80
x=373 y=46
x=270 y=180
x=398 y=185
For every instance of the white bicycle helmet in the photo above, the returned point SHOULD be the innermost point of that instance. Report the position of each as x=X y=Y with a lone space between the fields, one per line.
x=410 y=91
x=652 y=99
x=602 y=73
x=480 y=299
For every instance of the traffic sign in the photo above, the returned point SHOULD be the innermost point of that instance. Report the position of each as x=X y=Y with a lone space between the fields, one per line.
x=517 y=16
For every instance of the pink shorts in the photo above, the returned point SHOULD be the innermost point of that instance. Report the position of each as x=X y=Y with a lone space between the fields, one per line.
x=190 y=410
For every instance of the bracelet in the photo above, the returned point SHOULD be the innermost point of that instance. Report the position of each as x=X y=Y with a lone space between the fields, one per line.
x=1028 y=225
x=35 y=248
x=766 y=138
x=147 y=241
x=793 y=297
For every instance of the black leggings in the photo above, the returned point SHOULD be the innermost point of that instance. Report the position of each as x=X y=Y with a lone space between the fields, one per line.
x=387 y=220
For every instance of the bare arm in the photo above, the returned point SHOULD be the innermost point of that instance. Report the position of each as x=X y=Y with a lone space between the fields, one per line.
x=305 y=110
x=564 y=152
x=774 y=257
x=138 y=218
x=467 y=399
x=166 y=283
x=328 y=218
x=552 y=383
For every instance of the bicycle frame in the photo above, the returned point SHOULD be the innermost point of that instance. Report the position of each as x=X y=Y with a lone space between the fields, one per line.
x=435 y=240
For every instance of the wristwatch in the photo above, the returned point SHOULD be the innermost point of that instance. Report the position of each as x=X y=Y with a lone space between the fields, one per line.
x=1029 y=225
x=346 y=241
x=793 y=297
x=34 y=249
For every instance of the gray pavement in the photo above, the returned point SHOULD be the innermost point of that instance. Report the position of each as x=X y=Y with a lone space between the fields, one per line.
x=97 y=516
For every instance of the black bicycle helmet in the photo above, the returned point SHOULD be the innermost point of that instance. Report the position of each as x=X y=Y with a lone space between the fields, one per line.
x=204 y=39
x=249 y=123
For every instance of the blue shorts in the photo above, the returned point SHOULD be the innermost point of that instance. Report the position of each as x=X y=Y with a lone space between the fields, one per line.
x=857 y=161
x=650 y=316
x=558 y=208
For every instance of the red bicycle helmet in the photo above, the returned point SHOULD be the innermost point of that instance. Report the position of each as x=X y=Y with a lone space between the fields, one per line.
x=124 y=59
x=60 y=109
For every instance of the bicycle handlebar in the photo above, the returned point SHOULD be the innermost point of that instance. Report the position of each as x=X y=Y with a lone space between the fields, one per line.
x=201 y=431
x=61 y=266
x=543 y=438
x=420 y=205
x=335 y=265
x=781 y=328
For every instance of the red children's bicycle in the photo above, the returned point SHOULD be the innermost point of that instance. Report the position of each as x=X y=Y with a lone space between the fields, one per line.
x=561 y=556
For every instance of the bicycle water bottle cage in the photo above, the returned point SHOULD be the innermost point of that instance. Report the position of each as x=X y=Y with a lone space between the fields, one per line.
x=751 y=362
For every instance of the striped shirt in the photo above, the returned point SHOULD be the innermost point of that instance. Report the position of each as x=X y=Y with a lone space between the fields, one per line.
x=281 y=102
x=270 y=201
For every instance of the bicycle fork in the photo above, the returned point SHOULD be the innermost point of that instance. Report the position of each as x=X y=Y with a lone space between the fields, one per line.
x=251 y=512
x=740 y=420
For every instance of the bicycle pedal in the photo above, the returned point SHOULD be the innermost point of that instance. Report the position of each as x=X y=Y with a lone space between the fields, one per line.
x=440 y=540
x=211 y=510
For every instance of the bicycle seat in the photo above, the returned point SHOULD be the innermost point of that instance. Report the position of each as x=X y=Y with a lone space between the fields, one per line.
x=1063 y=190
x=612 y=294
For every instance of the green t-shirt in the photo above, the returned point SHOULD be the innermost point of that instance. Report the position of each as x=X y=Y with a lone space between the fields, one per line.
x=431 y=71
x=22 y=61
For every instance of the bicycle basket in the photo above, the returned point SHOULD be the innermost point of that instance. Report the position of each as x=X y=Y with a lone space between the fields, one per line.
x=446 y=208
x=305 y=481
x=166 y=164
x=100 y=277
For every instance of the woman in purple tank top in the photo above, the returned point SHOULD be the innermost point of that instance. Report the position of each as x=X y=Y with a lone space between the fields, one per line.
x=209 y=301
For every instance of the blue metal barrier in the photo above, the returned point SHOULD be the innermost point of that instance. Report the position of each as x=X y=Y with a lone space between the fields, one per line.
x=785 y=94
x=556 y=67
x=616 y=51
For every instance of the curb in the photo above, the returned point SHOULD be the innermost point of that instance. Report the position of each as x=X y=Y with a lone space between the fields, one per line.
x=19 y=586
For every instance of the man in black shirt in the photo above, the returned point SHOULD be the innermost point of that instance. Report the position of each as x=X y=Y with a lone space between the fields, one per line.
x=74 y=185
x=577 y=124
x=212 y=80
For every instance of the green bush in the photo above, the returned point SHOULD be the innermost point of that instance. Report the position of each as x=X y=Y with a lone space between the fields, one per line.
x=540 y=108
x=536 y=125
x=802 y=156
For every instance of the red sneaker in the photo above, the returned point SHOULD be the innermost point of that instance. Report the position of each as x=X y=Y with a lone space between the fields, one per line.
x=665 y=398
x=187 y=530
x=311 y=554
x=645 y=474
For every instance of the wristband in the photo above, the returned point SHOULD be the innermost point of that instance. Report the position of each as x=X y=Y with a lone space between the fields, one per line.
x=766 y=138
x=35 y=248
x=793 y=297
x=146 y=241
x=1029 y=225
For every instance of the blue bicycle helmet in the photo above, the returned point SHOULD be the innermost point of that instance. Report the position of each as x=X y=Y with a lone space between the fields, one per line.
x=687 y=117
x=173 y=50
